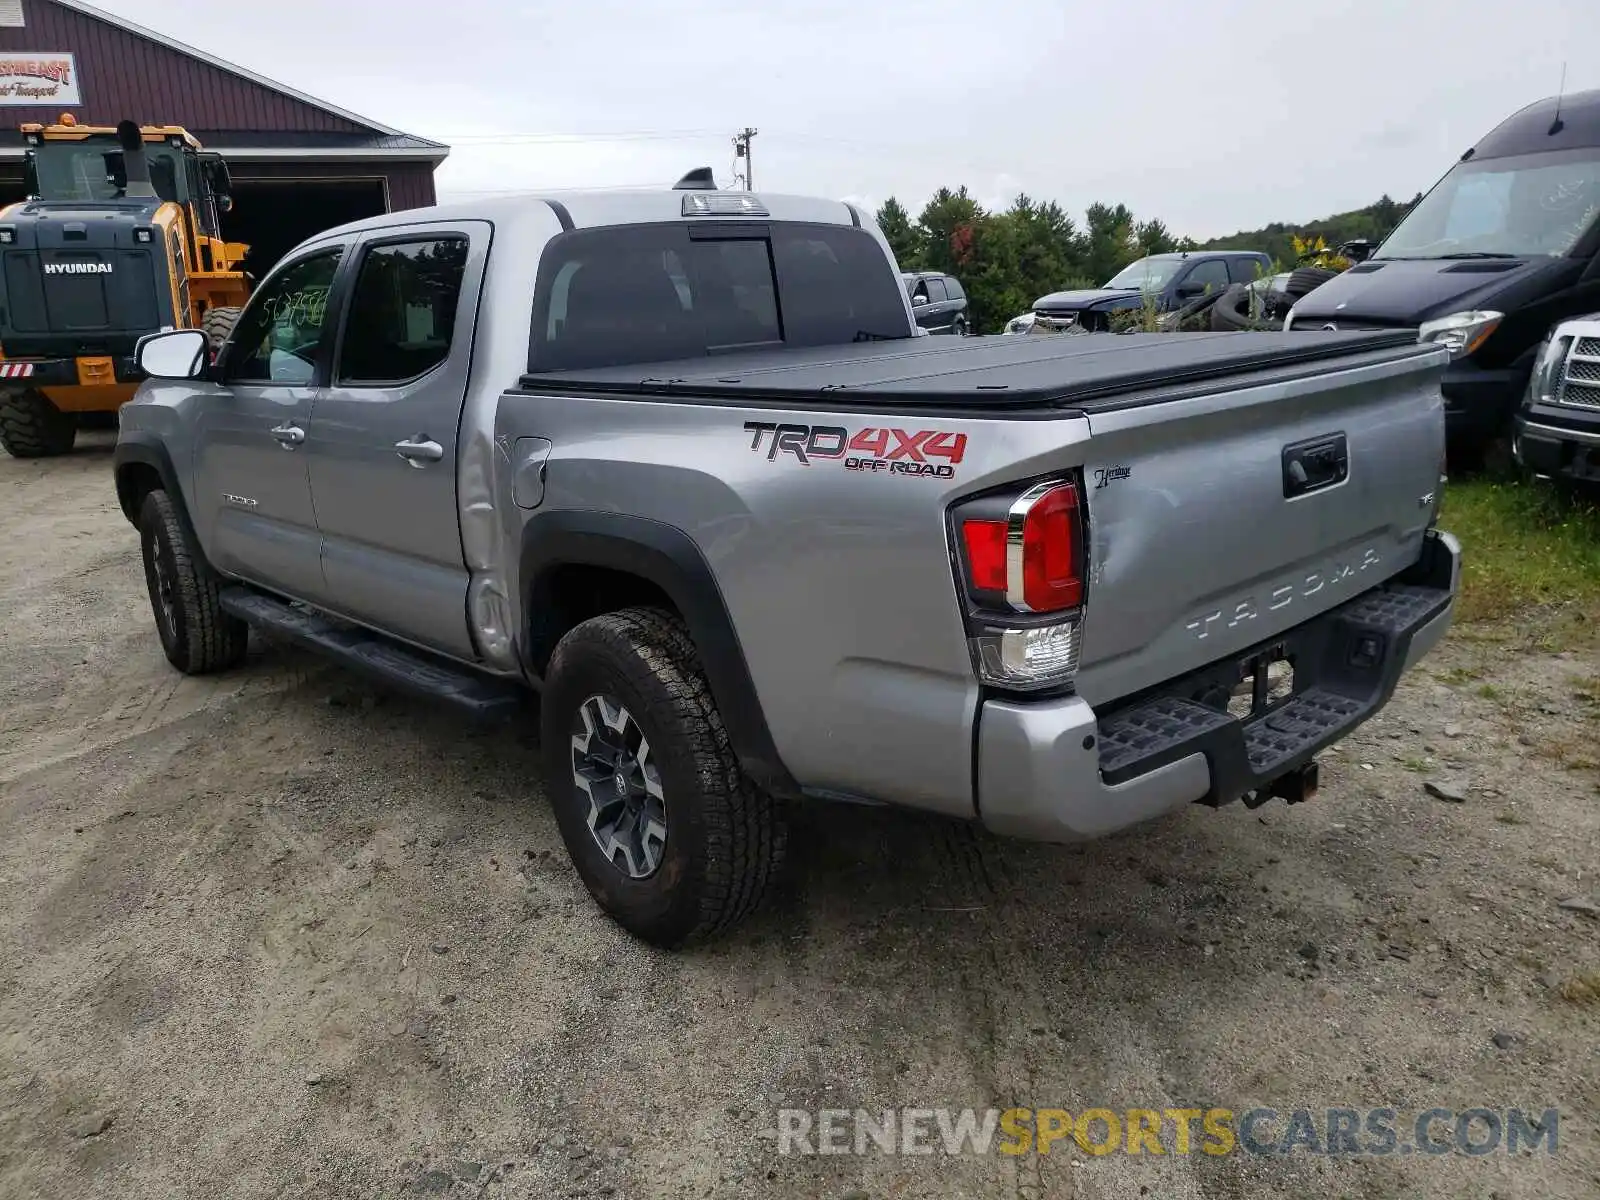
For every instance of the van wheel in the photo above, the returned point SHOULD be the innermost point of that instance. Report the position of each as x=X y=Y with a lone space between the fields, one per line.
x=32 y=427
x=196 y=635
x=959 y=327
x=218 y=323
x=671 y=838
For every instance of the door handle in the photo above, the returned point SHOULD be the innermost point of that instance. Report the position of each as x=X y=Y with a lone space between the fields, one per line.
x=419 y=450
x=289 y=436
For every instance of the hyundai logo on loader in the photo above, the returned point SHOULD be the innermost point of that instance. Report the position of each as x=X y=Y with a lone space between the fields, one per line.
x=78 y=268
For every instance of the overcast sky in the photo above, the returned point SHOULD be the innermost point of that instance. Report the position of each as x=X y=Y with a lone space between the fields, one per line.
x=1213 y=117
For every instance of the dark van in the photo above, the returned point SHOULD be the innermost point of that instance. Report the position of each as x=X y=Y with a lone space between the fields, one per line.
x=1503 y=247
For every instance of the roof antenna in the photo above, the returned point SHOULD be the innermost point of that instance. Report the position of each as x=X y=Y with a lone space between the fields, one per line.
x=1558 y=124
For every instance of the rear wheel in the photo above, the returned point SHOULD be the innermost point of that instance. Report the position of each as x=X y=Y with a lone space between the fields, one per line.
x=32 y=427
x=218 y=323
x=196 y=635
x=671 y=838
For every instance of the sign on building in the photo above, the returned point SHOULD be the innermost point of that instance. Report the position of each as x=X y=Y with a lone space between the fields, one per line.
x=38 y=77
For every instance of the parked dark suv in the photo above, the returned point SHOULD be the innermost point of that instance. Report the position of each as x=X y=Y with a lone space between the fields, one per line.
x=938 y=301
x=1171 y=280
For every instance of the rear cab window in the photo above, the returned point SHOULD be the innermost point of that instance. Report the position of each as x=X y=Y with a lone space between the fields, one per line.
x=623 y=294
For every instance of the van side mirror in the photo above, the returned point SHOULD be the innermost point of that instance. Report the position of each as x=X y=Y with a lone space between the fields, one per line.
x=176 y=354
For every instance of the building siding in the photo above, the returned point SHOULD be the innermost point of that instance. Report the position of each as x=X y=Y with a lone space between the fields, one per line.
x=122 y=75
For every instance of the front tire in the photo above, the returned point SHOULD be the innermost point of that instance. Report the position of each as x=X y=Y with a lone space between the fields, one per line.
x=671 y=838
x=959 y=327
x=32 y=427
x=196 y=635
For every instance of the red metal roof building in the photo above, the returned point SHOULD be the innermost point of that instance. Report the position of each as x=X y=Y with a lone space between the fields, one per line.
x=65 y=56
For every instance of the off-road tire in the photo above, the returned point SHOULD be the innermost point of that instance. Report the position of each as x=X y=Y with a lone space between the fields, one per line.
x=196 y=635
x=725 y=837
x=32 y=427
x=1306 y=279
x=218 y=323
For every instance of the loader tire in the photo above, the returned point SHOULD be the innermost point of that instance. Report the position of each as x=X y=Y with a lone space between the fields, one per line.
x=218 y=323
x=32 y=427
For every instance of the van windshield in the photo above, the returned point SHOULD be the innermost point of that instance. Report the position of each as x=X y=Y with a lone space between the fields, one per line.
x=1515 y=207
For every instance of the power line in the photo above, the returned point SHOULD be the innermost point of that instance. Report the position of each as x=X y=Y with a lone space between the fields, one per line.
x=512 y=137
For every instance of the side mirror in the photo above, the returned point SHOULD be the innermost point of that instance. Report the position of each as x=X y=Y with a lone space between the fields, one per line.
x=177 y=354
x=224 y=202
x=1191 y=291
x=919 y=299
x=1358 y=250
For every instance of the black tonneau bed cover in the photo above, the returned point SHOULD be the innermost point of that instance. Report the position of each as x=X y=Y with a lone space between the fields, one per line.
x=1087 y=372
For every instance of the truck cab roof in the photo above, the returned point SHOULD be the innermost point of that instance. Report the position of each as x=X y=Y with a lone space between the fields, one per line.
x=592 y=209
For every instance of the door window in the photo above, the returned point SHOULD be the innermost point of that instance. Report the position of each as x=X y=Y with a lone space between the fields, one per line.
x=1245 y=270
x=402 y=311
x=1211 y=275
x=277 y=338
x=936 y=291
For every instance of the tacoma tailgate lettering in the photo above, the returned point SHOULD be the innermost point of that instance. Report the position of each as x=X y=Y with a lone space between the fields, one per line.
x=1308 y=585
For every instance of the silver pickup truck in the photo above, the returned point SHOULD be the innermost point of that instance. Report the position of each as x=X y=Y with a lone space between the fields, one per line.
x=676 y=463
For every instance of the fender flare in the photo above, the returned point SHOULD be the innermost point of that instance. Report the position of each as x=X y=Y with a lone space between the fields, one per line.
x=667 y=557
x=147 y=450
x=143 y=449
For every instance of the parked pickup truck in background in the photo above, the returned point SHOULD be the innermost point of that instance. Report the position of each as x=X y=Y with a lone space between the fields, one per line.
x=1558 y=427
x=1167 y=281
x=676 y=461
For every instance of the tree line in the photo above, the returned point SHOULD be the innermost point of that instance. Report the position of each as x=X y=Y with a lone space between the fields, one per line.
x=1007 y=260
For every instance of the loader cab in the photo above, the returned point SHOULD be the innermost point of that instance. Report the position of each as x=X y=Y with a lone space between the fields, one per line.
x=67 y=163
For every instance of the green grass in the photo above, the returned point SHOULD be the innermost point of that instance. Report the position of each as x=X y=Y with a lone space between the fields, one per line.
x=1524 y=546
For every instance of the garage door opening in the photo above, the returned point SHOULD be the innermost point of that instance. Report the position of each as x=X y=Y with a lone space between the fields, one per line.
x=274 y=216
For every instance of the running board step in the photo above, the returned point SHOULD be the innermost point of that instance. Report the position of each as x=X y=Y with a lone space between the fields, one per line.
x=374 y=655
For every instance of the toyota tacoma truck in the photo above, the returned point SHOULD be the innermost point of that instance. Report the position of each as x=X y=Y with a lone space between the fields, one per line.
x=676 y=462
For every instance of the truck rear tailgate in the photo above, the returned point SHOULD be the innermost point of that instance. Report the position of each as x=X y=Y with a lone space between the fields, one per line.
x=1218 y=521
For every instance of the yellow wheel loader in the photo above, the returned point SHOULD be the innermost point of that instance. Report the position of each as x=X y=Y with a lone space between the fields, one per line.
x=120 y=237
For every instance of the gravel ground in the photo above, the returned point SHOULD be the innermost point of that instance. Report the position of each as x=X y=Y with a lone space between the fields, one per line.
x=278 y=934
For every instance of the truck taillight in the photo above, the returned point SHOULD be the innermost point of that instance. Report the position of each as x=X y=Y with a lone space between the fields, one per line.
x=1021 y=557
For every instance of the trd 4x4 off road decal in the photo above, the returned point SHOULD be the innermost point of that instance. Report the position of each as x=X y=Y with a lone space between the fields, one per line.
x=890 y=451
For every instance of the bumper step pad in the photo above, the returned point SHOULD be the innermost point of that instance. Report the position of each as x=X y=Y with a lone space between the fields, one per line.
x=1346 y=664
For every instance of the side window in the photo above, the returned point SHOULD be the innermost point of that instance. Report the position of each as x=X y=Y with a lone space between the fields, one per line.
x=1245 y=270
x=1211 y=275
x=276 y=339
x=936 y=293
x=953 y=286
x=402 y=311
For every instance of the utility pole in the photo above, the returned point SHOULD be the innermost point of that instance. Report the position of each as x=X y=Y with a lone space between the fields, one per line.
x=741 y=149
